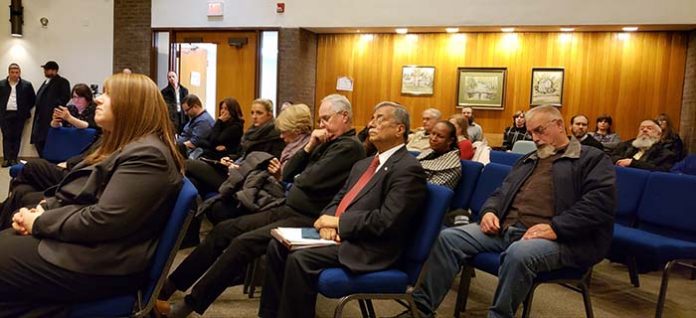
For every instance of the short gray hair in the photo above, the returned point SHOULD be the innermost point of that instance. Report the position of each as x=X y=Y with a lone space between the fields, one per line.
x=549 y=110
x=339 y=103
x=434 y=111
x=401 y=115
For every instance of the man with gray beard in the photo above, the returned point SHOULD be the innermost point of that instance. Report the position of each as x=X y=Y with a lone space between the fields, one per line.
x=554 y=209
x=645 y=151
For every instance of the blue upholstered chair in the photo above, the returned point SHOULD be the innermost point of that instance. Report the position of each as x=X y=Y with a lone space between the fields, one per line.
x=394 y=283
x=491 y=178
x=504 y=157
x=471 y=170
x=63 y=143
x=666 y=231
x=140 y=304
x=629 y=189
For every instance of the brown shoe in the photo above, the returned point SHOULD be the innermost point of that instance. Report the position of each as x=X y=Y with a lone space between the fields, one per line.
x=162 y=308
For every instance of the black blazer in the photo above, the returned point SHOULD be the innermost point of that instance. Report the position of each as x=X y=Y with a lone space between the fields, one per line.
x=379 y=223
x=106 y=219
x=56 y=92
x=25 y=98
x=169 y=95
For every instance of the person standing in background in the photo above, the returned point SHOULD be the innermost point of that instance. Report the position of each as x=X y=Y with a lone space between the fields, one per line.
x=173 y=94
x=54 y=92
x=17 y=98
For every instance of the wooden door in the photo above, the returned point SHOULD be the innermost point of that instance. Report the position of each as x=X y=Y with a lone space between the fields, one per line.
x=236 y=66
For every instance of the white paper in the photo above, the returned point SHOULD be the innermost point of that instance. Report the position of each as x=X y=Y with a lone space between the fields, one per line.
x=195 y=79
x=344 y=83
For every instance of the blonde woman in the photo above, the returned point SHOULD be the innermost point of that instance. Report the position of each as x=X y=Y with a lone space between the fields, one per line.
x=295 y=126
x=96 y=236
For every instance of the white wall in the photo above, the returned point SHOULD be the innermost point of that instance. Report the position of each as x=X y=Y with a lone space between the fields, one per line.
x=375 y=13
x=79 y=37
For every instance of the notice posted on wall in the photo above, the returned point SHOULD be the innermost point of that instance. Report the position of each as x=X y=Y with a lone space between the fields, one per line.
x=195 y=79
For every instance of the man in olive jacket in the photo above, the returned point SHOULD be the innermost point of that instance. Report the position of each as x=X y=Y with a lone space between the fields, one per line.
x=555 y=209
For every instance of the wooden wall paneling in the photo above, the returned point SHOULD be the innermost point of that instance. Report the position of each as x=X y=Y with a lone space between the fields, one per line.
x=629 y=79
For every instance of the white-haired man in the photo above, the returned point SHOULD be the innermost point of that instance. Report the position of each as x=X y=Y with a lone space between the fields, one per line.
x=420 y=140
x=645 y=151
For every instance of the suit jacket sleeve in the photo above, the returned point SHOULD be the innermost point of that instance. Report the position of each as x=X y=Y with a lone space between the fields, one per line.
x=63 y=89
x=122 y=207
x=663 y=161
x=406 y=191
x=336 y=160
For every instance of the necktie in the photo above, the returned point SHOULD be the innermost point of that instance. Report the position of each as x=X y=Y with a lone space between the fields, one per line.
x=357 y=187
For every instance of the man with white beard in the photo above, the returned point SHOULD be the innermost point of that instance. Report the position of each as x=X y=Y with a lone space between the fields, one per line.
x=554 y=209
x=645 y=151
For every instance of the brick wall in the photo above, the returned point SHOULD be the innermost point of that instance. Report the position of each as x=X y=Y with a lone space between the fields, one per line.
x=297 y=66
x=132 y=36
x=687 y=126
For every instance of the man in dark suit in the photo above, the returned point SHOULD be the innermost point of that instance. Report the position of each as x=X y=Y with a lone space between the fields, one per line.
x=16 y=101
x=54 y=92
x=372 y=217
x=173 y=94
x=578 y=128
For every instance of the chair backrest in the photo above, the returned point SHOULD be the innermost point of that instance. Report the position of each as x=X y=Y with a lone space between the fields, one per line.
x=491 y=178
x=505 y=158
x=523 y=146
x=630 y=183
x=667 y=208
x=63 y=143
x=167 y=247
x=436 y=205
x=471 y=170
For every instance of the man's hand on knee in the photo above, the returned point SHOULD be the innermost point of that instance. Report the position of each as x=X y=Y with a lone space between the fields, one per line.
x=490 y=224
x=540 y=231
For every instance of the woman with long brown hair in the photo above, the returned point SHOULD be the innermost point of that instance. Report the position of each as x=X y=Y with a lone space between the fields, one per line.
x=96 y=236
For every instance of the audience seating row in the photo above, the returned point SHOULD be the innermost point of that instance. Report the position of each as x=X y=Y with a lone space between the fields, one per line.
x=655 y=223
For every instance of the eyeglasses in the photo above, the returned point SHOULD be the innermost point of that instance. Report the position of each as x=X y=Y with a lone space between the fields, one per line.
x=325 y=119
x=542 y=128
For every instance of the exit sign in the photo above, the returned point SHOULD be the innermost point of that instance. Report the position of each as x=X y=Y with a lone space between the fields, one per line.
x=216 y=8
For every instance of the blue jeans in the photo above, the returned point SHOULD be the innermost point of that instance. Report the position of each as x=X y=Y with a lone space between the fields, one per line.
x=520 y=261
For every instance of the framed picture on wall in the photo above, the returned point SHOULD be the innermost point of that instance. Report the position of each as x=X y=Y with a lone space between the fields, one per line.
x=417 y=80
x=547 y=87
x=481 y=88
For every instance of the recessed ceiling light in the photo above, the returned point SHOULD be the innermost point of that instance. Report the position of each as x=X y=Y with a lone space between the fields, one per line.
x=567 y=29
x=357 y=31
x=452 y=30
x=507 y=30
x=402 y=30
x=630 y=29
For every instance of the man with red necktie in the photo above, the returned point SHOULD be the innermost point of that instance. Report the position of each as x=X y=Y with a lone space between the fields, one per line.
x=372 y=218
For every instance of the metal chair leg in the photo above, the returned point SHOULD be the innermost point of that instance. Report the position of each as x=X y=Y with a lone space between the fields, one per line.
x=663 y=289
x=588 y=302
x=527 y=306
x=633 y=271
x=463 y=292
x=363 y=308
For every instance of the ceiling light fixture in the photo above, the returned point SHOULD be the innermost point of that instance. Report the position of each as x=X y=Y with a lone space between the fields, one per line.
x=507 y=30
x=402 y=30
x=630 y=29
x=567 y=29
x=452 y=30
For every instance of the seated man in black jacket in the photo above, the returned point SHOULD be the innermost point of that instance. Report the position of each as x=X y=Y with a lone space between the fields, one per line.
x=317 y=173
x=578 y=128
x=645 y=151
x=373 y=217
x=554 y=209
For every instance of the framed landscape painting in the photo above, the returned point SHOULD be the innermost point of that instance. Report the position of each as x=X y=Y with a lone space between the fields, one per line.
x=547 y=87
x=481 y=88
x=417 y=80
